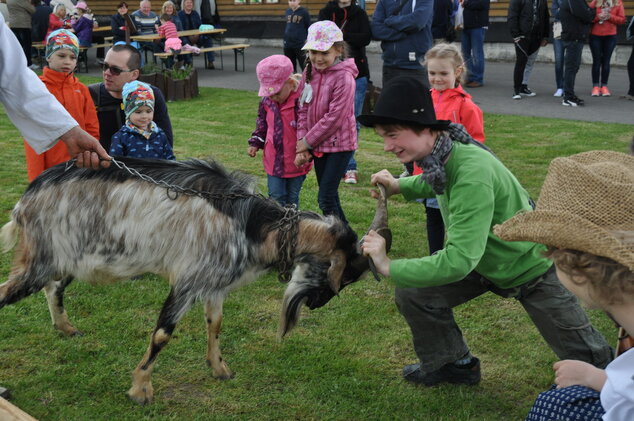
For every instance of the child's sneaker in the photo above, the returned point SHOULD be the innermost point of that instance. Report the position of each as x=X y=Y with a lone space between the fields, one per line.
x=596 y=91
x=526 y=92
x=516 y=95
x=605 y=91
x=572 y=102
x=559 y=93
x=350 y=177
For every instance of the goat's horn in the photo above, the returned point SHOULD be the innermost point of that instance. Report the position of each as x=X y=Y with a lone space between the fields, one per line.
x=379 y=224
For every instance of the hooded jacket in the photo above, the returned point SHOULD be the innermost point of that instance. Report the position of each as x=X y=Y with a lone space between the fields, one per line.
x=408 y=31
x=75 y=98
x=327 y=122
x=278 y=137
x=456 y=105
x=476 y=13
x=355 y=25
x=576 y=18
x=523 y=21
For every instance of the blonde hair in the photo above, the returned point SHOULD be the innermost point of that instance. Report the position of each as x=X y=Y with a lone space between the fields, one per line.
x=608 y=282
x=168 y=3
x=447 y=52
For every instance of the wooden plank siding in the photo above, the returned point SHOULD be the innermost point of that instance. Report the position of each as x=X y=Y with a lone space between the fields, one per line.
x=227 y=8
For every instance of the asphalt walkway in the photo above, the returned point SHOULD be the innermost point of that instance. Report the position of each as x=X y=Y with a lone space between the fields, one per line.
x=493 y=97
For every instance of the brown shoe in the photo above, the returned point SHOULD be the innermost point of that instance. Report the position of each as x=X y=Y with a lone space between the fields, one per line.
x=473 y=84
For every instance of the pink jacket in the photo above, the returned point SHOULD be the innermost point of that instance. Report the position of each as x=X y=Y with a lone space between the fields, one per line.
x=278 y=137
x=456 y=105
x=327 y=122
x=617 y=17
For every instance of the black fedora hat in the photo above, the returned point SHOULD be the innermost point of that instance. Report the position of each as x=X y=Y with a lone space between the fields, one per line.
x=404 y=100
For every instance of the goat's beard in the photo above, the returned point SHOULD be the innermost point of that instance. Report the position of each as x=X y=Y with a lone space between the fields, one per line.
x=308 y=285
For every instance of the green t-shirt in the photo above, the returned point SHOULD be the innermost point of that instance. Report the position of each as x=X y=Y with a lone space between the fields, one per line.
x=480 y=192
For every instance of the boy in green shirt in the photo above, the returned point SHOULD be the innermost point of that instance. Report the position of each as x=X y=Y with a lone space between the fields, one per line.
x=475 y=191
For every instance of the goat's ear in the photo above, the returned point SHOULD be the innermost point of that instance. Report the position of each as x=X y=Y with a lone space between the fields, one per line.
x=335 y=271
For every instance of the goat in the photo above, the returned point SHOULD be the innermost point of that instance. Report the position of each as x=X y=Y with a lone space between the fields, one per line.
x=192 y=222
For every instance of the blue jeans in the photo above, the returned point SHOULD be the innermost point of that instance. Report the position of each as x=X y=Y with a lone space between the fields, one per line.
x=329 y=170
x=602 y=48
x=473 y=53
x=558 y=48
x=572 y=61
x=285 y=191
x=359 y=96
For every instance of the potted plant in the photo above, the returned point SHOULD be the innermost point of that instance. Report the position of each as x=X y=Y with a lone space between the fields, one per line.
x=181 y=83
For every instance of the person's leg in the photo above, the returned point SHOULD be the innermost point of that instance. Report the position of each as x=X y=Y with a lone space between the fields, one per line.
x=530 y=63
x=435 y=226
x=630 y=72
x=301 y=58
x=428 y=311
x=277 y=189
x=465 y=44
x=477 y=45
x=595 y=49
x=521 y=58
x=24 y=38
x=204 y=41
x=572 y=61
x=293 y=187
x=290 y=53
x=359 y=96
x=562 y=322
x=559 y=63
x=329 y=170
x=609 y=43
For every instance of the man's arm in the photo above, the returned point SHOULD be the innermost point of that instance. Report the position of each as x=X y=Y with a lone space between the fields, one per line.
x=380 y=30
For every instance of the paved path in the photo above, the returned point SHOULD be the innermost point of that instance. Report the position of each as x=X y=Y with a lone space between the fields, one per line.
x=493 y=97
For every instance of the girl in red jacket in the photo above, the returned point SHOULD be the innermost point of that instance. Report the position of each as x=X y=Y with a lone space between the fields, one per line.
x=326 y=128
x=445 y=67
x=608 y=14
x=62 y=49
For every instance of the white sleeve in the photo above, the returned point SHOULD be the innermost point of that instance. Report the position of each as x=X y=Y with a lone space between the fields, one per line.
x=30 y=106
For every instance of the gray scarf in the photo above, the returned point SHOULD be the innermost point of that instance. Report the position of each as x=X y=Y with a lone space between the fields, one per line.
x=433 y=165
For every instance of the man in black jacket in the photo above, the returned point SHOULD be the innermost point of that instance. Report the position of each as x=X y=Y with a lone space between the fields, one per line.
x=122 y=65
x=576 y=19
x=528 y=23
x=355 y=25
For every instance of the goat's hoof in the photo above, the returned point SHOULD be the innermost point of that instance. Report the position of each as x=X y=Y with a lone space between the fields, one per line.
x=222 y=373
x=142 y=395
x=69 y=330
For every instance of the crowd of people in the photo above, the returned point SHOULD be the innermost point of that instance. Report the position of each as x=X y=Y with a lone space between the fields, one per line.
x=485 y=232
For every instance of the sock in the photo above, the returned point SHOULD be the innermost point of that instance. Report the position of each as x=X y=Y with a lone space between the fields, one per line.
x=466 y=360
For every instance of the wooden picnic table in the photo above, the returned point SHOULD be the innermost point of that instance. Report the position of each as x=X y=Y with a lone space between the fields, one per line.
x=102 y=29
x=152 y=37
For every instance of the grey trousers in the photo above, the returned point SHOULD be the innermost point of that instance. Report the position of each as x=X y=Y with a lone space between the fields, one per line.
x=554 y=310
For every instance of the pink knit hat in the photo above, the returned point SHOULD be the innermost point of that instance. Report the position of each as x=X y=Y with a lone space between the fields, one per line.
x=272 y=73
x=321 y=36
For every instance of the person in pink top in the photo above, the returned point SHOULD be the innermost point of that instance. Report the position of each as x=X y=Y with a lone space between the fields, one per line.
x=445 y=67
x=327 y=129
x=608 y=14
x=276 y=129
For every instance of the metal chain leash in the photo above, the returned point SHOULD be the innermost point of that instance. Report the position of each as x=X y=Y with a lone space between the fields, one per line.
x=287 y=226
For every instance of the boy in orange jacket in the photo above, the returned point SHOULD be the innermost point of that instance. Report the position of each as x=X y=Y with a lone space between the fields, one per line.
x=62 y=50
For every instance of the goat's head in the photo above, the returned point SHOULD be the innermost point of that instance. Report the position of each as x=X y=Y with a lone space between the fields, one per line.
x=324 y=269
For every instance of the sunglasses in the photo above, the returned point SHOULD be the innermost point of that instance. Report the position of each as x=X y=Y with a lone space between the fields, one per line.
x=114 y=69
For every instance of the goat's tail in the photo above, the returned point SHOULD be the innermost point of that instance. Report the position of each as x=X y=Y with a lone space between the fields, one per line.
x=9 y=235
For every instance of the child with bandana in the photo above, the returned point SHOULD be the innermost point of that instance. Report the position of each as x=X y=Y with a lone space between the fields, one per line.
x=62 y=50
x=140 y=137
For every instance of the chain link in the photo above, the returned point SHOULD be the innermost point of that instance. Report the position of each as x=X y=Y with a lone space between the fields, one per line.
x=287 y=227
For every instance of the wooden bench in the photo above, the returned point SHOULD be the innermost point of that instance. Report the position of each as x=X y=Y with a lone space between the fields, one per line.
x=238 y=49
x=83 y=55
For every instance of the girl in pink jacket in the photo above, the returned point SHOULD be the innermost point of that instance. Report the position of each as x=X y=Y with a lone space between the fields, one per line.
x=444 y=64
x=276 y=129
x=327 y=130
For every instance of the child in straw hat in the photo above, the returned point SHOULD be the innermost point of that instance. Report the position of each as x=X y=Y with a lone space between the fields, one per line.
x=585 y=215
x=475 y=191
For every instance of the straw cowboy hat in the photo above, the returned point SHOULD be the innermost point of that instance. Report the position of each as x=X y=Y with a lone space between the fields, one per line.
x=586 y=204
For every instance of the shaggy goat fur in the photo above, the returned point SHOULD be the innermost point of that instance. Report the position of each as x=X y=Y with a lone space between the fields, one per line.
x=110 y=224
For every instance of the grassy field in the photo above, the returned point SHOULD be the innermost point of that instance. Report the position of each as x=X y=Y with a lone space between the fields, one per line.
x=342 y=362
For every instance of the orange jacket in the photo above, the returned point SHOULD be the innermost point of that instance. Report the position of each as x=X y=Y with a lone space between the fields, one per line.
x=75 y=97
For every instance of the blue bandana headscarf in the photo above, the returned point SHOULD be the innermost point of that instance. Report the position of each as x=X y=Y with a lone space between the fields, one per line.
x=62 y=38
x=136 y=94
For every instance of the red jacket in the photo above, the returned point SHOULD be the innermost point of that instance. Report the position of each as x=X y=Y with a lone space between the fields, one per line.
x=456 y=105
x=608 y=27
x=75 y=97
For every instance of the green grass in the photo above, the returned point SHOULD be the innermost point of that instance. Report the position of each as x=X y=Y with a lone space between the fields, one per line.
x=343 y=361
